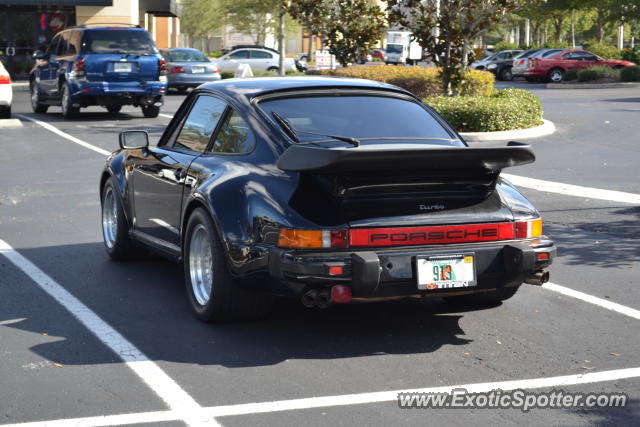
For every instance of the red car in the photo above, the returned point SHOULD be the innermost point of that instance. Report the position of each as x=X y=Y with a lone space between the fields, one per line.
x=552 y=68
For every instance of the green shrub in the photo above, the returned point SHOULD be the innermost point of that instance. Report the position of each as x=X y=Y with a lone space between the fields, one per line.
x=503 y=110
x=215 y=54
x=632 y=55
x=553 y=44
x=504 y=45
x=571 y=75
x=604 y=50
x=630 y=74
x=597 y=73
x=477 y=83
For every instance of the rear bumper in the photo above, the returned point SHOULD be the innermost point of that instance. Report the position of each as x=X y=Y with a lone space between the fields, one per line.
x=80 y=88
x=6 y=95
x=391 y=271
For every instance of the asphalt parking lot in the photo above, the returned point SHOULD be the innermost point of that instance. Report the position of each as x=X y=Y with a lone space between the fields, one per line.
x=87 y=341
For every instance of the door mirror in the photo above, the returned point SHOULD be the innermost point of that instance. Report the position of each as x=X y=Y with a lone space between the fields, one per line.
x=134 y=139
x=38 y=54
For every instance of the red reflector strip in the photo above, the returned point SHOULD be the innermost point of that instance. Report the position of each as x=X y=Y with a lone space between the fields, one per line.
x=336 y=270
x=432 y=235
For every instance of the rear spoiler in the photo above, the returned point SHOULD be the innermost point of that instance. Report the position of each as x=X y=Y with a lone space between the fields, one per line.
x=312 y=158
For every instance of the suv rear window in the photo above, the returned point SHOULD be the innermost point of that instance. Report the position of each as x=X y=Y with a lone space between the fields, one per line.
x=134 y=42
x=357 y=116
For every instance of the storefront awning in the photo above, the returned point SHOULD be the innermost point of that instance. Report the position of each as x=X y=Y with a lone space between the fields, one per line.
x=56 y=2
x=159 y=7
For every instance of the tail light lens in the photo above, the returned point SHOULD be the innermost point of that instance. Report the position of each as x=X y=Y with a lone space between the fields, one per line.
x=78 y=67
x=312 y=239
x=177 y=70
x=529 y=229
x=5 y=80
x=214 y=70
x=162 y=66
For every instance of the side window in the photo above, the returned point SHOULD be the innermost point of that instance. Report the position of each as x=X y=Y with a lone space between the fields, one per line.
x=200 y=123
x=240 y=54
x=234 y=136
x=568 y=56
x=74 y=43
x=62 y=46
x=259 y=54
x=51 y=49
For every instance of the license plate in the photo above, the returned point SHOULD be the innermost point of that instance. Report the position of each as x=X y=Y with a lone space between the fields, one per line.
x=122 y=67
x=446 y=271
x=197 y=70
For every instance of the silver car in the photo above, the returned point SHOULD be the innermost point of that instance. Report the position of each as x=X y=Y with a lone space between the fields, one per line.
x=496 y=57
x=188 y=68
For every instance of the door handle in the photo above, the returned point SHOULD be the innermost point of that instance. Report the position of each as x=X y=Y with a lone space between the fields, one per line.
x=180 y=174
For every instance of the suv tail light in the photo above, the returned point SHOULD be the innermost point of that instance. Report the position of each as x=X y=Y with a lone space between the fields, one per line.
x=308 y=239
x=163 y=66
x=78 y=67
x=529 y=229
x=176 y=70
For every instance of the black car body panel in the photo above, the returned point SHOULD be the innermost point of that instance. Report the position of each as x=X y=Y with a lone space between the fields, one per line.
x=274 y=184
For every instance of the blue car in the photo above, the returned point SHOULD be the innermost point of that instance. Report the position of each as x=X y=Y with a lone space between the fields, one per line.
x=102 y=65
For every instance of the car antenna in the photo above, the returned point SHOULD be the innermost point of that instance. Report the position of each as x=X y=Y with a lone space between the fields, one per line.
x=293 y=132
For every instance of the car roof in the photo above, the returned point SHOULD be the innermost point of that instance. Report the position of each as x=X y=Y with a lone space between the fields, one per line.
x=249 y=88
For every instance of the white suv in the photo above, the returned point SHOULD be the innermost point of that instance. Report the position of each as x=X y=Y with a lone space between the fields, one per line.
x=6 y=93
x=258 y=59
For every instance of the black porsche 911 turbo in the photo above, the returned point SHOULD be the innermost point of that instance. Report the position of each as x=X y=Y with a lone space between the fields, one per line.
x=329 y=190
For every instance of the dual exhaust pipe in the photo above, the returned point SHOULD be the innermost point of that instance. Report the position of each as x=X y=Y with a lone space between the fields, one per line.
x=538 y=278
x=322 y=298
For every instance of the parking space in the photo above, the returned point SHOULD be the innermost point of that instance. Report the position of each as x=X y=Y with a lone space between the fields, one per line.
x=49 y=213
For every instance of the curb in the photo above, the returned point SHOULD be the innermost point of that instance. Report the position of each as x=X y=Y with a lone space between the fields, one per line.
x=546 y=128
x=10 y=123
x=592 y=85
x=20 y=86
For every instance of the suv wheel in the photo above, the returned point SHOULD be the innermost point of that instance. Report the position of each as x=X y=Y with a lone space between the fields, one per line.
x=214 y=295
x=68 y=110
x=150 y=111
x=35 y=99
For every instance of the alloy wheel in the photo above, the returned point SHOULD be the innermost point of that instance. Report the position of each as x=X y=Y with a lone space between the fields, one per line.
x=109 y=218
x=201 y=264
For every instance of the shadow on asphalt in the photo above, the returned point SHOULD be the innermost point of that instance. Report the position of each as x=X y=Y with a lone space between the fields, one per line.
x=146 y=302
x=623 y=100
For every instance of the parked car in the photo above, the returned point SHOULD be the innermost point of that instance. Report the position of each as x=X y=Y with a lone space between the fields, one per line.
x=501 y=69
x=551 y=67
x=520 y=62
x=6 y=93
x=257 y=58
x=498 y=56
x=322 y=189
x=103 y=65
x=188 y=68
x=379 y=54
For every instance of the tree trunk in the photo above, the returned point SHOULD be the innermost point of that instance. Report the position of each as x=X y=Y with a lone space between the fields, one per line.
x=310 y=48
x=573 y=29
x=281 y=69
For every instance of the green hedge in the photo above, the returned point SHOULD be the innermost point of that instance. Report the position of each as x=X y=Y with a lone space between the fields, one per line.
x=421 y=81
x=502 y=110
x=604 y=50
x=571 y=75
x=597 y=73
x=630 y=74
x=632 y=55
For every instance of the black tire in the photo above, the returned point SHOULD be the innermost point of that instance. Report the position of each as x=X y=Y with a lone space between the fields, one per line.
x=118 y=245
x=273 y=70
x=68 y=110
x=150 y=111
x=5 y=112
x=556 y=75
x=114 y=109
x=490 y=298
x=227 y=301
x=505 y=74
x=35 y=99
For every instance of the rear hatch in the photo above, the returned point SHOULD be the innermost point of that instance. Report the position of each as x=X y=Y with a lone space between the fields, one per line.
x=120 y=54
x=374 y=185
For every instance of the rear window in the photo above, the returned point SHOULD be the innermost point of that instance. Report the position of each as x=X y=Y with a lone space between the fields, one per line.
x=551 y=53
x=187 y=56
x=357 y=116
x=133 y=42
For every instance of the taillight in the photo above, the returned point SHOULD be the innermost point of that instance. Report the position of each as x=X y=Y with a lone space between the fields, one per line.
x=5 y=80
x=176 y=70
x=162 y=66
x=78 y=67
x=529 y=229
x=214 y=70
x=312 y=239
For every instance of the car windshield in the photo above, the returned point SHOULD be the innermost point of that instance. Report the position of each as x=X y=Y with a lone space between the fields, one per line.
x=358 y=116
x=394 y=48
x=187 y=56
x=133 y=42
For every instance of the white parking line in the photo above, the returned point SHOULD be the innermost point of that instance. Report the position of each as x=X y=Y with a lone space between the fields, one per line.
x=619 y=308
x=65 y=135
x=345 y=399
x=151 y=374
x=166 y=115
x=573 y=190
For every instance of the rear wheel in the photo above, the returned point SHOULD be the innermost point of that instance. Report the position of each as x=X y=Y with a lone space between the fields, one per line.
x=66 y=103
x=506 y=74
x=484 y=298
x=556 y=75
x=150 y=111
x=5 y=112
x=36 y=105
x=115 y=230
x=213 y=294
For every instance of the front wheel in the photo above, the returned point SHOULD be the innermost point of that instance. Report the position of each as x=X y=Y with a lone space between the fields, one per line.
x=214 y=295
x=150 y=111
x=115 y=230
x=68 y=110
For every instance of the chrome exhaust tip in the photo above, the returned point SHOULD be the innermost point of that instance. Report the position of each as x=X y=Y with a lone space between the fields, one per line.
x=538 y=278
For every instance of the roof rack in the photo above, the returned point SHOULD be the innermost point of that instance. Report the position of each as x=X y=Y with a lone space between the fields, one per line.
x=104 y=24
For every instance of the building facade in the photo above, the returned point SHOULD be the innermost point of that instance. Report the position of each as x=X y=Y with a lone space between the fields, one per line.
x=26 y=25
